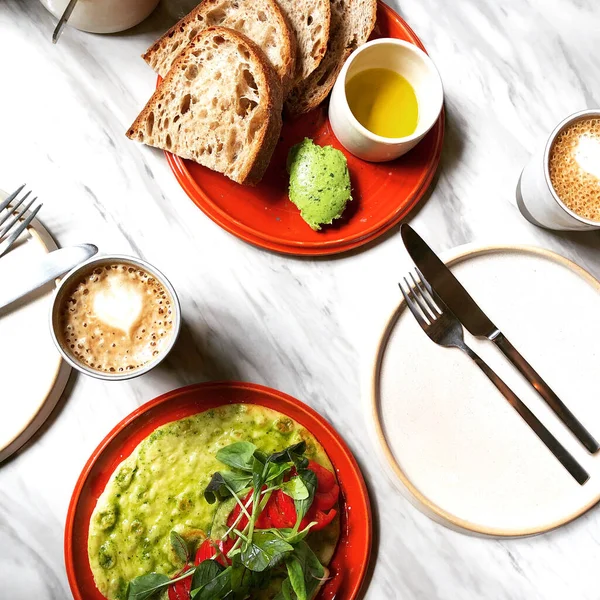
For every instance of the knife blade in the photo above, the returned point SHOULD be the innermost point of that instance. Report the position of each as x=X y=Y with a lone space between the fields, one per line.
x=468 y=312
x=18 y=279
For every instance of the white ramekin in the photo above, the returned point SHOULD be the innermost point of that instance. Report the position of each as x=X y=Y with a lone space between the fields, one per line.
x=416 y=67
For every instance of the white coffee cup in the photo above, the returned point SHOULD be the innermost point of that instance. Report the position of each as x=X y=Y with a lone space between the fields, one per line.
x=416 y=67
x=536 y=199
x=61 y=296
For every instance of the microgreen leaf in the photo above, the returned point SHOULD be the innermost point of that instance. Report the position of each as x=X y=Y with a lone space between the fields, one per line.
x=244 y=581
x=301 y=462
x=290 y=454
x=240 y=577
x=216 y=589
x=238 y=455
x=292 y=537
x=277 y=470
x=180 y=547
x=313 y=571
x=296 y=488
x=205 y=572
x=217 y=489
x=146 y=586
x=286 y=590
x=311 y=567
x=296 y=575
x=264 y=551
x=309 y=479
x=260 y=456
x=237 y=481
x=257 y=482
x=224 y=485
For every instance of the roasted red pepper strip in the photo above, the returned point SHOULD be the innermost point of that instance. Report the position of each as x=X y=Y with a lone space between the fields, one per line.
x=325 y=478
x=282 y=511
x=181 y=589
x=264 y=521
x=210 y=548
x=323 y=519
x=326 y=500
x=319 y=517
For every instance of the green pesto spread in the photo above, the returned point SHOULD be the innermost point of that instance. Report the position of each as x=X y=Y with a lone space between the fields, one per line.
x=319 y=182
x=159 y=488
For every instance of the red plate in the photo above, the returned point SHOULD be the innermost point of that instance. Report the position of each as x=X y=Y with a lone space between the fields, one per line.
x=383 y=193
x=351 y=557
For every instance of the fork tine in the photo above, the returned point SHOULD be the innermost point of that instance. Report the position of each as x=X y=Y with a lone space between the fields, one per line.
x=13 y=209
x=414 y=309
x=417 y=295
x=427 y=284
x=10 y=198
x=435 y=312
x=426 y=295
x=4 y=246
x=17 y=216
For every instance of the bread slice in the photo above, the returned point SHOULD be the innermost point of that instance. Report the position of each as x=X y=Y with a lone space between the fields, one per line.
x=352 y=22
x=260 y=20
x=219 y=105
x=310 y=20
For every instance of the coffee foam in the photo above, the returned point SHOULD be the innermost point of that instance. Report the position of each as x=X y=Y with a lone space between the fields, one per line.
x=574 y=167
x=119 y=304
x=116 y=318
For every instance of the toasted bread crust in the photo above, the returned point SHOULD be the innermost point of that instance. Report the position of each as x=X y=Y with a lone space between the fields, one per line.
x=310 y=21
x=276 y=38
x=352 y=22
x=244 y=164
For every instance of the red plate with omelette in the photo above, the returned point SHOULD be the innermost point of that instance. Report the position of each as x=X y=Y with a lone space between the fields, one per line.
x=351 y=557
x=383 y=193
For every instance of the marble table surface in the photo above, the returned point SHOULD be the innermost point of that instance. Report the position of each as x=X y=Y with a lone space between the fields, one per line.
x=511 y=71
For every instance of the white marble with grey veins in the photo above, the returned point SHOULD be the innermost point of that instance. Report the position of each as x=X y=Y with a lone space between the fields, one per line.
x=511 y=71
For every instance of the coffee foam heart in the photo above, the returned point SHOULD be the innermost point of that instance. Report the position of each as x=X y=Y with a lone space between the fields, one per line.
x=119 y=305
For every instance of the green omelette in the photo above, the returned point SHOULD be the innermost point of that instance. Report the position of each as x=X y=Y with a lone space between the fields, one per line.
x=158 y=493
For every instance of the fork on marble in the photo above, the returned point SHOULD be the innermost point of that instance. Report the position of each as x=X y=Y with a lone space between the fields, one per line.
x=14 y=221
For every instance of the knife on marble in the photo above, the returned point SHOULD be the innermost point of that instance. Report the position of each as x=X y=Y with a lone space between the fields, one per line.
x=466 y=310
x=25 y=277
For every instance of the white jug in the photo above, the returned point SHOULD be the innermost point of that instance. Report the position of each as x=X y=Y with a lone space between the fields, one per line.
x=103 y=16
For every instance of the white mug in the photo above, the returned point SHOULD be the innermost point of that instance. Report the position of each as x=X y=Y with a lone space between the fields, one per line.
x=103 y=16
x=536 y=199
x=416 y=67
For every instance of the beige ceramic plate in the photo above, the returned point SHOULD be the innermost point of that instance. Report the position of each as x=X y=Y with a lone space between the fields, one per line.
x=33 y=374
x=455 y=447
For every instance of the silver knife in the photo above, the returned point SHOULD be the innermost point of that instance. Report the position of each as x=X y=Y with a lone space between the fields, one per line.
x=17 y=280
x=478 y=324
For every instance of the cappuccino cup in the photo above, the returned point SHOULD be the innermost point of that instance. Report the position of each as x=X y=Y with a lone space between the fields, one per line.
x=115 y=317
x=560 y=186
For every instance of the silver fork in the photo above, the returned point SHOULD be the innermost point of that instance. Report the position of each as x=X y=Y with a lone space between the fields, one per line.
x=444 y=329
x=14 y=221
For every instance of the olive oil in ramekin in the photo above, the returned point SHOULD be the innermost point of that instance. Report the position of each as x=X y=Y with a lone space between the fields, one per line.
x=384 y=102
